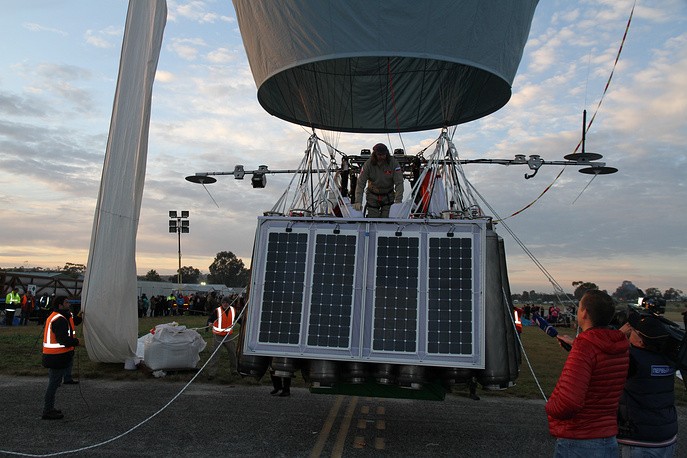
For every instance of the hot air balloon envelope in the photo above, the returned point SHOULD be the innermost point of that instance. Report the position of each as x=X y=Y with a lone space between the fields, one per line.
x=383 y=66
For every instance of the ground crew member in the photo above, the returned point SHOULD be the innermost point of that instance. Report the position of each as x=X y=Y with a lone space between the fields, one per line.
x=222 y=326
x=12 y=302
x=58 y=352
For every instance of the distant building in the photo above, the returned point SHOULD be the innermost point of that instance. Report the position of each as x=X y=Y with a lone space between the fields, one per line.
x=61 y=284
x=154 y=288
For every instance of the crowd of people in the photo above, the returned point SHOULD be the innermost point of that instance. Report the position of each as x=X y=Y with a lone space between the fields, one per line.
x=177 y=303
x=27 y=305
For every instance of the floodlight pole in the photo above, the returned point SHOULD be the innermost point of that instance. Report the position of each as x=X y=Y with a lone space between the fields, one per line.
x=176 y=225
x=179 y=271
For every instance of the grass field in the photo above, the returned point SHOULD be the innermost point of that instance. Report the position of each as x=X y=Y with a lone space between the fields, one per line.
x=21 y=356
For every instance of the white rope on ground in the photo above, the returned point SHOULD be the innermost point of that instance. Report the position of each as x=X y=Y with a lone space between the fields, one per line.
x=522 y=347
x=141 y=423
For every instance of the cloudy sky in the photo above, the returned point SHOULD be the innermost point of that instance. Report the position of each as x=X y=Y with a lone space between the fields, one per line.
x=58 y=69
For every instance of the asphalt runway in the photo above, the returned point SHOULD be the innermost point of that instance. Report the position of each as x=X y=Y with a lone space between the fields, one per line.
x=106 y=418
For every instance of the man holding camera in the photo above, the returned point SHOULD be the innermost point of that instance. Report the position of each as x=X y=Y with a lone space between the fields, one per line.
x=647 y=418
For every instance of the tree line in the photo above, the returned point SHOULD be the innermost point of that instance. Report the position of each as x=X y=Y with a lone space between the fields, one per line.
x=226 y=269
x=627 y=291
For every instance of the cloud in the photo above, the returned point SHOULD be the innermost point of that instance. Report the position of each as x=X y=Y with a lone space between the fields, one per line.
x=186 y=48
x=61 y=82
x=13 y=105
x=32 y=26
x=196 y=11
x=164 y=76
x=222 y=56
x=108 y=37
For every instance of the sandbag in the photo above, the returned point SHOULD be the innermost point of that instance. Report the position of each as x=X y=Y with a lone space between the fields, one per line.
x=170 y=346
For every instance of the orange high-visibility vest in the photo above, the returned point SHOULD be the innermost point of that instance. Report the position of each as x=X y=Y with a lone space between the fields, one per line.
x=518 y=323
x=222 y=325
x=72 y=330
x=50 y=345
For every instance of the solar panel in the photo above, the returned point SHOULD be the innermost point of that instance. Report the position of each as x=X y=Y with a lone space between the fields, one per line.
x=368 y=290
x=331 y=300
x=449 y=304
x=282 y=300
x=396 y=294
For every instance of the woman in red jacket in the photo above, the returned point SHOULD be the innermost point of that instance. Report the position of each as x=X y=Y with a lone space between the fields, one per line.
x=582 y=410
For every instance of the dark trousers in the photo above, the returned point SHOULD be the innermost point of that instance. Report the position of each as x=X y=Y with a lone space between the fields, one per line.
x=54 y=381
x=281 y=383
x=68 y=371
x=9 y=317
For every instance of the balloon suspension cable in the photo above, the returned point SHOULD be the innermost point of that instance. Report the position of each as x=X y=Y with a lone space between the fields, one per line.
x=208 y=191
x=313 y=189
x=556 y=286
x=509 y=312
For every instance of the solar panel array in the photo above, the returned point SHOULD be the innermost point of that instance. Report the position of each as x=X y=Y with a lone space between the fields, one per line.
x=368 y=292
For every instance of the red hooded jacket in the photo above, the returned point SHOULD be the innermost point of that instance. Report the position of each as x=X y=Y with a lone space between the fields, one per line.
x=584 y=404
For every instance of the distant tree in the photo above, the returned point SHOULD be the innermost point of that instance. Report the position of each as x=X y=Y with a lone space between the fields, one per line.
x=672 y=294
x=228 y=270
x=73 y=270
x=582 y=287
x=525 y=296
x=152 y=275
x=189 y=274
x=653 y=292
x=628 y=291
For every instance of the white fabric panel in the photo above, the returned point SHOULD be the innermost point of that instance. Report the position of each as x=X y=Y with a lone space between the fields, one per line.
x=383 y=66
x=109 y=296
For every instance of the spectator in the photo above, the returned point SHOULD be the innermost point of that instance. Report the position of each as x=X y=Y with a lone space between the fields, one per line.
x=582 y=410
x=146 y=305
x=647 y=419
x=28 y=304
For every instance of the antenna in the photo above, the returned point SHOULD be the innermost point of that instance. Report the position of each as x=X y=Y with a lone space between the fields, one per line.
x=585 y=158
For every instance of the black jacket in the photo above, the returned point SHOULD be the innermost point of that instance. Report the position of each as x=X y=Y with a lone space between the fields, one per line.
x=646 y=414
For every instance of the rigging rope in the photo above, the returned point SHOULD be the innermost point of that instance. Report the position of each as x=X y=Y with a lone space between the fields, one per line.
x=591 y=121
x=522 y=347
x=556 y=286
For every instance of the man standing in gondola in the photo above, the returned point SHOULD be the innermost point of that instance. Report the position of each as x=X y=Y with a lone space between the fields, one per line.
x=384 y=178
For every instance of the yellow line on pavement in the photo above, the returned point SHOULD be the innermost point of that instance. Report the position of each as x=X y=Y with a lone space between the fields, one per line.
x=343 y=430
x=326 y=428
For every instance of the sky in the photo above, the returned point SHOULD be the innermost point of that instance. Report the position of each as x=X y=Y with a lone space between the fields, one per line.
x=58 y=69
